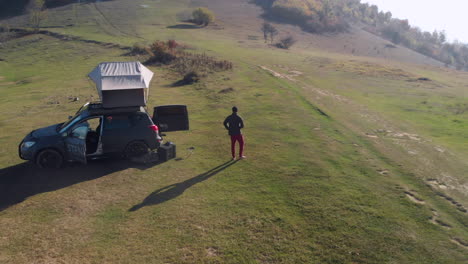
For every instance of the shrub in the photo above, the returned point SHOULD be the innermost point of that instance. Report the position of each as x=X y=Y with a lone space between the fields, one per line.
x=200 y=62
x=172 y=44
x=286 y=42
x=161 y=52
x=138 y=49
x=189 y=65
x=191 y=77
x=203 y=16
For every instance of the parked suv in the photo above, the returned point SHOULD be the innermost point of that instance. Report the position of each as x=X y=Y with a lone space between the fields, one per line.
x=96 y=132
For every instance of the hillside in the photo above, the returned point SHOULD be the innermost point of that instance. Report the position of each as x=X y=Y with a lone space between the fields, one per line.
x=352 y=157
x=321 y=16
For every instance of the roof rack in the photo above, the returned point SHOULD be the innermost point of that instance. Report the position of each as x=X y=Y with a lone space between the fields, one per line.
x=97 y=108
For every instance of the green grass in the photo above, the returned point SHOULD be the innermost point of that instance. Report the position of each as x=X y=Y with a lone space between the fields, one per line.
x=309 y=192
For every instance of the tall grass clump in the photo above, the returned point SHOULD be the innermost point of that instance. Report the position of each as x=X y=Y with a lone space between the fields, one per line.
x=189 y=65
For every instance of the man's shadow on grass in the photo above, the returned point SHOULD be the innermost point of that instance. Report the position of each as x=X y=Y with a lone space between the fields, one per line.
x=174 y=190
x=24 y=180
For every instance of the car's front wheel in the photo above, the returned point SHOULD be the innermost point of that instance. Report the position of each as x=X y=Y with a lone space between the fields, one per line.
x=49 y=159
x=136 y=149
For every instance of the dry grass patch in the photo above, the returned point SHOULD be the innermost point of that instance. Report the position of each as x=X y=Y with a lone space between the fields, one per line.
x=371 y=69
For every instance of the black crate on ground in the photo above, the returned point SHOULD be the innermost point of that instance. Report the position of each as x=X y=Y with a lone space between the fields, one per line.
x=167 y=151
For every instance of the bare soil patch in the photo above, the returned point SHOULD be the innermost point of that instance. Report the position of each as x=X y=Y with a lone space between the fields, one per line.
x=383 y=171
x=289 y=76
x=435 y=183
x=414 y=198
x=3 y=83
x=436 y=221
x=212 y=252
x=398 y=135
x=409 y=136
x=460 y=242
x=371 y=135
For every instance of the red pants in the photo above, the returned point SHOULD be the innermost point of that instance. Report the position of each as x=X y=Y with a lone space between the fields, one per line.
x=235 y=138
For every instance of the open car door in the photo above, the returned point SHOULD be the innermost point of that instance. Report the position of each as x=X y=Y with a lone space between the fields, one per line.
x=171 y=118
x=76 y=144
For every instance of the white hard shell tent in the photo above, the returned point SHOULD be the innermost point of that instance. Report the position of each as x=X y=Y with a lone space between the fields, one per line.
x=122 y=84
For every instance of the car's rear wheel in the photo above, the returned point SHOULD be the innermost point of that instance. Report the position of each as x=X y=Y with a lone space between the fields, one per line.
x=49 y=159
x=136 y=149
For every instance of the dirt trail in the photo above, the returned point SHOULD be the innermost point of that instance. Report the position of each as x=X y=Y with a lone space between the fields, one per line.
x=64 y=37
x=108 y=22
x=282 y=76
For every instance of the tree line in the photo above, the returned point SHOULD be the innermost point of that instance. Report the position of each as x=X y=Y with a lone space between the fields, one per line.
x=316 y=16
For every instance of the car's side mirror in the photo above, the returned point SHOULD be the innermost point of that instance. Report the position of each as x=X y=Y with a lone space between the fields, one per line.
x=64 y=134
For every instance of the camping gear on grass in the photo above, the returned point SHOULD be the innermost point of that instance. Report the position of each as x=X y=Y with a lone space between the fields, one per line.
x=167 y=151
x=122 y=84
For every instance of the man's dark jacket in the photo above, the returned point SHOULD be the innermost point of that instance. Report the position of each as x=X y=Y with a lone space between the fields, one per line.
x=234 y=123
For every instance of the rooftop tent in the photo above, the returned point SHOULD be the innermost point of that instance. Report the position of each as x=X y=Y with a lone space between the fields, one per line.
x=122 y=84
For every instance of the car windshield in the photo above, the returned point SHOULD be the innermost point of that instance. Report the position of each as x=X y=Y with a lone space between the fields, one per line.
x=74 y=119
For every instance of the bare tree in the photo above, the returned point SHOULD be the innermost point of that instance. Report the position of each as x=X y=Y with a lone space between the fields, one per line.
x=269 y=32
x=265 y=29
x=37 y=13
x=273 y=33
x=442 y=37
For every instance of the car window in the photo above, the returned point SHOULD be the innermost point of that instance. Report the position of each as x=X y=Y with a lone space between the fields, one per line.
x=74 y=119
x=139 y=118
x=69 y=123
x=81 y=129
x=117 y=122
x=80 y=132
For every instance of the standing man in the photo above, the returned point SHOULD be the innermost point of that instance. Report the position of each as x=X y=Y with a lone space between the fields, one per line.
x=234 y=124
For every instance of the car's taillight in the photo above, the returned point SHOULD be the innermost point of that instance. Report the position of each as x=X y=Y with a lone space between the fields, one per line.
x=154 y=128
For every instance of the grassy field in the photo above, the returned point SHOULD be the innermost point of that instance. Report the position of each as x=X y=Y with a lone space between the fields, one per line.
x=350 y=159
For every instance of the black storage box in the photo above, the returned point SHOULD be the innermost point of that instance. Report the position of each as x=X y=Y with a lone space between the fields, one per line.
x=167 y=151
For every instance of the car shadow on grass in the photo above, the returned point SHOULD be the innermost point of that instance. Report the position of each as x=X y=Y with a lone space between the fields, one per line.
x=174 y=190
x=21 y=181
